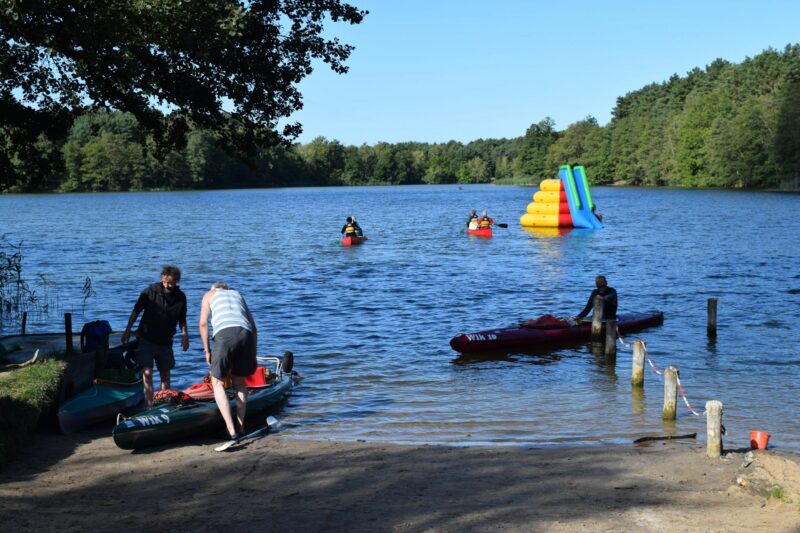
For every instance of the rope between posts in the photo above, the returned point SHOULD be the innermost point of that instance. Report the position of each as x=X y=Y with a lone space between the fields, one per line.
x=657 y=371
x=619 y=336
x=683 y=394
x=647 y=355
x=680 y=387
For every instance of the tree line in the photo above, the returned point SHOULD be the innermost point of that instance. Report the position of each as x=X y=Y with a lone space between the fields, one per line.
x=727 y=125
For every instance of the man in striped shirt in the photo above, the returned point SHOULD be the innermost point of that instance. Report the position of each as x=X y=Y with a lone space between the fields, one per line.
x=234 y=334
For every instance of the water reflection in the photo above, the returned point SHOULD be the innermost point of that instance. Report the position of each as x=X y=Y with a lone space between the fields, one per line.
x=527 y=357
x=670 y=427
x=546 y=232
x=637 y=400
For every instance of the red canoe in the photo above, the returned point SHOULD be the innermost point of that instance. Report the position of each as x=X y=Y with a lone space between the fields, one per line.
x=352 y=241
x=480 y=232
x=529 y=336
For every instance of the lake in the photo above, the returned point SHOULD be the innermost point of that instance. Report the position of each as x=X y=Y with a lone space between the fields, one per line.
x=370 y=325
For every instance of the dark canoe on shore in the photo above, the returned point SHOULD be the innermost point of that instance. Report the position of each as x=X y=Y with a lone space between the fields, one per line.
x=163 y=424
x=99 y=403
x=522 y=337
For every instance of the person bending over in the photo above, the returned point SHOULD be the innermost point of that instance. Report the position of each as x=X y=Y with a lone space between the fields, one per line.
x=235 y=341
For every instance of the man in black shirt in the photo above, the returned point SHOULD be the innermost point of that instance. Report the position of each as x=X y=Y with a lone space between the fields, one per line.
x=609 y=300
x=164 y=306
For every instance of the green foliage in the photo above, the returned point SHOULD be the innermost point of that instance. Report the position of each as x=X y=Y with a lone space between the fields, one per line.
x=24 y=395
x=526 y=182
x=536 y=143
x=189 y=56
x=779 y=493
x=727 y=125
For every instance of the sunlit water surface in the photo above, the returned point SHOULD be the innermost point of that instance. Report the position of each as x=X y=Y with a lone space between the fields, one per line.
x=370 y=325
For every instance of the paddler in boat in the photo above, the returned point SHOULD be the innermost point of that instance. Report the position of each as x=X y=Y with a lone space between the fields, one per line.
x=472 y=221
x=609 y=295
x=359 y=231
x=350 y=228
x=485 y=222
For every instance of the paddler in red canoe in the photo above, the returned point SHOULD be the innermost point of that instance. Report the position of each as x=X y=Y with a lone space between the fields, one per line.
x=485 y=221
x=350 y=228
x=472 y=221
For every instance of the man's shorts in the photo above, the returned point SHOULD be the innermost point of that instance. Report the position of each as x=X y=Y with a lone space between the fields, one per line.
x=234 y=351
x=149 y=351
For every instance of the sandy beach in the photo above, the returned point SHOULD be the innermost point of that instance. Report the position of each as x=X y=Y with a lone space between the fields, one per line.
x=84 y=483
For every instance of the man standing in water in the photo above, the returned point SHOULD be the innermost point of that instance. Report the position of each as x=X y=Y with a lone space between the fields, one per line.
x=609 y=300
x=234 y=333
x=164 y=306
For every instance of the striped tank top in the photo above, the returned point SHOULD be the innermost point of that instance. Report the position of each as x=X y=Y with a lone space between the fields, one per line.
x=228 y=311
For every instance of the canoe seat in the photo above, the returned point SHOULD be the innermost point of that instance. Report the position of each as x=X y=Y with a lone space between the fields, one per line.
x=259 y=378
x=546 y=322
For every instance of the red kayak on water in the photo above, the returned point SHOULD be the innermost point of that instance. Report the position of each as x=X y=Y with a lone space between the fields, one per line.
x=545 y=331
x=352 y=241
x=480 y=232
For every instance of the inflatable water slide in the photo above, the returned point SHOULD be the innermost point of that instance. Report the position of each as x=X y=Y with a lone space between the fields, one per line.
x=565 y=202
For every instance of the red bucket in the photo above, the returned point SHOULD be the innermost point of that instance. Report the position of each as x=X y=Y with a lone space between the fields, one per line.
x=759 y=440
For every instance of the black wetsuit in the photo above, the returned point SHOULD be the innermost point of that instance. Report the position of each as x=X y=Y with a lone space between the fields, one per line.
x=609 y=303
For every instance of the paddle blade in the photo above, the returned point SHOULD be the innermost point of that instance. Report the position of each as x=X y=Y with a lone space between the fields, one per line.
x=502 y=225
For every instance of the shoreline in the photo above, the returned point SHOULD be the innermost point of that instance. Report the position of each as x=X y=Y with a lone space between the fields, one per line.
x=81 y=482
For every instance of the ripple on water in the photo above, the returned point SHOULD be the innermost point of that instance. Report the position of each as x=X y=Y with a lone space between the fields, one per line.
x=370 y=325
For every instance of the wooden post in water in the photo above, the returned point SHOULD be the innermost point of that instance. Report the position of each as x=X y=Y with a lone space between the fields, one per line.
x=714 y=428
x=24 y=321
x=637 y=364
x=670 y=393
x=611 y=341
x=597 y=319
x=100 y=356
x=68 y=330
x=712 y=318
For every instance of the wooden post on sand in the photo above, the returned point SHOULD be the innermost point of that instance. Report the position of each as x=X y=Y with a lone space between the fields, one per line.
x=68 y=331
x=712 y=318
x=597 y=319
x=670 y=393
x=637 y=364
x=611 y=341
x=714 y=428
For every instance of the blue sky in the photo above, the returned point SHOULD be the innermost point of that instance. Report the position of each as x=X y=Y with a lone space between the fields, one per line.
x=440 y=70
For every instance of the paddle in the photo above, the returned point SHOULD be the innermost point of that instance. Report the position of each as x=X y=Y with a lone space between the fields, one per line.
x=502 y=225
x=271 y=423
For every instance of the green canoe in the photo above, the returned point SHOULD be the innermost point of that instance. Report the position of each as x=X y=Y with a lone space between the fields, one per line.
x=101 y=402
x=178 y=421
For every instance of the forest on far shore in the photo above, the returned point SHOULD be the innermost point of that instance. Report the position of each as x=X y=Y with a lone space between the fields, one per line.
x=727 y=125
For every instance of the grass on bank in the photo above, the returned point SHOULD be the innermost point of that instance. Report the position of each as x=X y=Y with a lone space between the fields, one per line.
x=524 y=181
x=24 y=395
